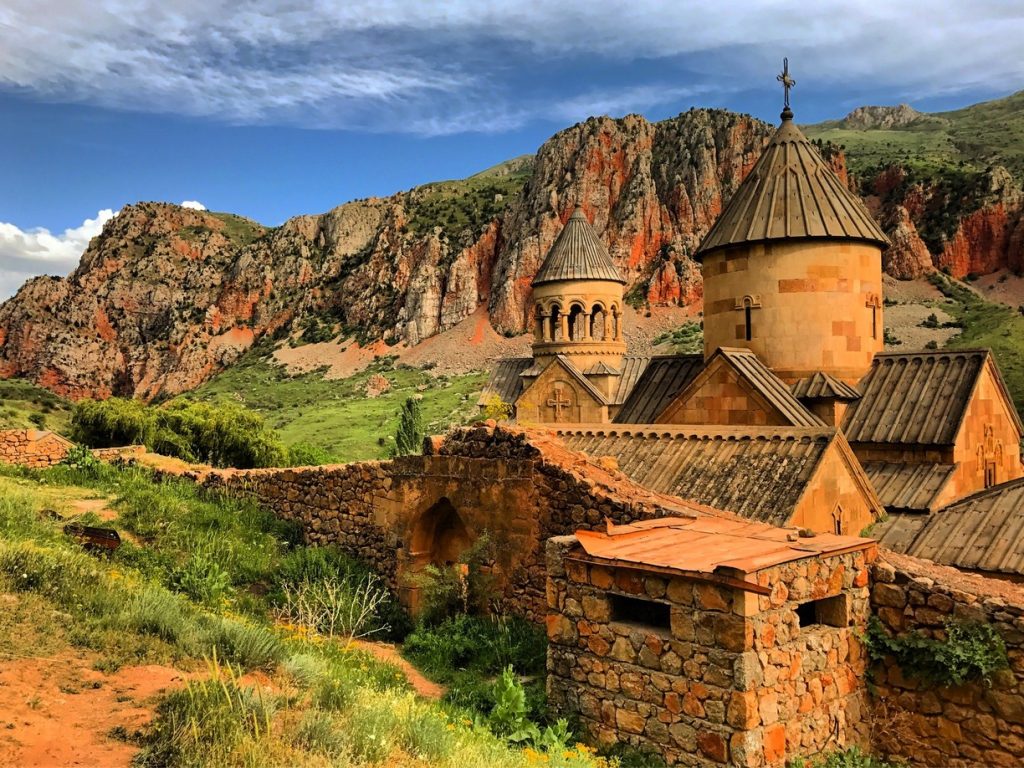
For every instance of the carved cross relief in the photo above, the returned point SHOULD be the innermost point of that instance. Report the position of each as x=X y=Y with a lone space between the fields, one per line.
x=559 y=401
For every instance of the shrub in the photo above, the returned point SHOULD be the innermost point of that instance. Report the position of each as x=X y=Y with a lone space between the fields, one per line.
x=409 y=436
x=496 y=408
x=932 y=321
x=155 y=611
x=971 y=651
x=346 y=608
x=202 y=579
x=250 y=645
x=318 y=733
x=82 y=460
x=849 y=758
x=467 y=587
x=308 y=455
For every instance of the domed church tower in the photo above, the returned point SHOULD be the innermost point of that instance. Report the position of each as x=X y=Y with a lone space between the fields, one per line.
x=577 y=296
x=793 y=266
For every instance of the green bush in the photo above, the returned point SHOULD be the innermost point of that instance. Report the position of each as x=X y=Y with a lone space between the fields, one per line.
x=251 y=645
x=225 y=434
x=848 y=758
x=971 y=651
x=308 y=455
x=202 y=579
x=409 y=435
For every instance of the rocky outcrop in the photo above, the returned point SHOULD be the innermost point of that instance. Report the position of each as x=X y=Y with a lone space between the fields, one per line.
x=907 y=258
x=884 y=118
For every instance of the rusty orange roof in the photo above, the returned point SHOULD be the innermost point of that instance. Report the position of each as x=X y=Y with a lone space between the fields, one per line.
x=710 y=545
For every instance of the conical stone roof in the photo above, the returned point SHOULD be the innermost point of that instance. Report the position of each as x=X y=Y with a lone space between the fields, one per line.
x=577 y=254
x=791 y=194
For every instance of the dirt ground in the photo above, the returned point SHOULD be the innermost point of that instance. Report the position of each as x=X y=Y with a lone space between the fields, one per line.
x=426 y=688
x=58 y=711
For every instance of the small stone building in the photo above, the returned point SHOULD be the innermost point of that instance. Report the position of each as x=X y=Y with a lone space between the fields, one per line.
x=34 y=448
x=711 y=640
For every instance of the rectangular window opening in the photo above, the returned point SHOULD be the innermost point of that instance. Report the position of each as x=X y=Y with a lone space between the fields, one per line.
x=746 y=314
x=990 y=474
x=829 y=612
x=634 y=610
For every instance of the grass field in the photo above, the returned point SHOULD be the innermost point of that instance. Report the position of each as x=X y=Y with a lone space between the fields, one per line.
x=25 y=405
x=207 y=584
x=337 y=415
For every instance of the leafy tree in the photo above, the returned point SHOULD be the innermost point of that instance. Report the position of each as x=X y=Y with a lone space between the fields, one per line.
x=409 y=437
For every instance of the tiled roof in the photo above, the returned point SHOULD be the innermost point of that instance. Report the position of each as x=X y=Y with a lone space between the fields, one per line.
x=823 y=386
x=908 y=487
x=984 y=532
x=577 y=254
x=657 y=385
x=759 y=473
x=771 y=387
x=915 y=398
x=505 y=380
x=633 y=368
x=791 y=193
x=602 y=368
x=710 y=545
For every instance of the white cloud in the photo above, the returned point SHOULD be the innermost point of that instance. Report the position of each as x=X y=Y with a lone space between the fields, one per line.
x=26 y=253
x=444 y=67
x=195 y=205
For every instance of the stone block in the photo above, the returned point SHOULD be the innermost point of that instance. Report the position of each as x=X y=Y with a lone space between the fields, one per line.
x=713 y=746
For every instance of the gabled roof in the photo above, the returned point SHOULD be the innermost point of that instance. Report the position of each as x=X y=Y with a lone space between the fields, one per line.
x=983 y=532
x=791 y=193
x=577 y=254
x=919 y=398
x=908 y=487
x=633 y=368
x=601 y=368
x=759 y=473
x=710 y=545
x=772 y=390
x=823 y=386
x=662 y=379
x=506 y=380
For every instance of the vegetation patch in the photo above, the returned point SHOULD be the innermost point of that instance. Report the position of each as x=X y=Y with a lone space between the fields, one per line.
x=24 y=405
x=687 y=339
x=970 y=652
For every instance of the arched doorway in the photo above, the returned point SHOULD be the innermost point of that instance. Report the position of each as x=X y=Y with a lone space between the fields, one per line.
x=440 y=536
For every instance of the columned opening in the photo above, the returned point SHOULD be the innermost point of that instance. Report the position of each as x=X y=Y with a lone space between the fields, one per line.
x=556 y=323
x=577 y=322
x=597 y=323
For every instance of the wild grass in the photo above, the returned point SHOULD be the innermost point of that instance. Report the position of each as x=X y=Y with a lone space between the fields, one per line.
x=24 y=405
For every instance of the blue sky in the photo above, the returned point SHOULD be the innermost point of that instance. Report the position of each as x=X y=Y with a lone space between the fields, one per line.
x=275 y=108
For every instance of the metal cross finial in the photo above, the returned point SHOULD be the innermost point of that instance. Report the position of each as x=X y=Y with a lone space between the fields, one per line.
x=787 y=83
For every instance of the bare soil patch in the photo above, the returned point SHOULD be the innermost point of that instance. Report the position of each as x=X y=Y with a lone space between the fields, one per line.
x=387 y=652
x=58 y=711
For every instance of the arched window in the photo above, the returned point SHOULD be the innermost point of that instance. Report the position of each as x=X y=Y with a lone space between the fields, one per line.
x=539 y=322
x=597 y=319
x=748 y=306
x=576 y=319
x=556 y=323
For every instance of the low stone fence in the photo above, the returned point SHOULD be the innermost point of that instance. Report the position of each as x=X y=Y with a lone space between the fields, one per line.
x=35 y=448
x=119 y=453
x=930 y=725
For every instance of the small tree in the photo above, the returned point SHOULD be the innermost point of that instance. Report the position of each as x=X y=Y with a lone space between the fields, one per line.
x=409 y=437
x=497 y=409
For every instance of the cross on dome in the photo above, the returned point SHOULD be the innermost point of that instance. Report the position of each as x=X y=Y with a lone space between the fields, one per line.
x=787 y=83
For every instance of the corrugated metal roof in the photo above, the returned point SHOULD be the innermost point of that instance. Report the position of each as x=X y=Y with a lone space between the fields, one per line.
x=759 y=473
x=657 y=385
x=791 y=193
x=710 y=545
x=908 y=487
x=984 y=532
x=577 y=254
x=823 y=386
x=918 y=398
x=770 y=386
x=505 y=380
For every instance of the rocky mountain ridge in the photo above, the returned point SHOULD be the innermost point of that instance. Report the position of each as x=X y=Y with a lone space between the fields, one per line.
x=166 y=297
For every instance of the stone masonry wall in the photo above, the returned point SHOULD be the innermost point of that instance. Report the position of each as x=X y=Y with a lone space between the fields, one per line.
x=35 y=448
x=967 y=725
x=733 y=681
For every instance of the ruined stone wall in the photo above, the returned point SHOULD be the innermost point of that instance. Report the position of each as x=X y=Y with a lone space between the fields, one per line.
x=967 y=725
x=733 y=679
x=35 y=448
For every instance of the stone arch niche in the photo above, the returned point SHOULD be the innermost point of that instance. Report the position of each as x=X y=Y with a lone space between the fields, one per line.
x=439 y=537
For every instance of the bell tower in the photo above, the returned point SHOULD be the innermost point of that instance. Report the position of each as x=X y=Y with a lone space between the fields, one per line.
x=577 y=295
x=793 y=266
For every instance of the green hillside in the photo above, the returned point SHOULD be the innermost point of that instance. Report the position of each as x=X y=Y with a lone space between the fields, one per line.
x=336 y=415
x=25 y=405
x=979 y=136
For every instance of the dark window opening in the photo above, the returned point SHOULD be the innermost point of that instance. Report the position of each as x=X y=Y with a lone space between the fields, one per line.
x=746 y=317
x=874 y=322
x=633 y=610
x=990 y=474
x=839 y=526
x=830 y=612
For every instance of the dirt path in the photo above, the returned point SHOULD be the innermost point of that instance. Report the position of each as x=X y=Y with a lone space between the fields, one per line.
x=58 y=711
x=428 y=689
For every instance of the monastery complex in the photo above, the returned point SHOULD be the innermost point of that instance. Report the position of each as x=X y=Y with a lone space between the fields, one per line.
x=710 y=539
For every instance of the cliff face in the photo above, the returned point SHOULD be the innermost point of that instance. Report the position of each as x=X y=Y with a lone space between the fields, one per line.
x=166 y=297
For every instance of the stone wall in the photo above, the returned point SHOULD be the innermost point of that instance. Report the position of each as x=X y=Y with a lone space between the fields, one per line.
x=35 y=448
x=732 y=680
x=967 y=725
x=519 y=488
x=721 y=397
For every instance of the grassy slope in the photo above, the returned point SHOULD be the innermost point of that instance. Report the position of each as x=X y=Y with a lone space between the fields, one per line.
x=336 y=415
x=21 y=400
x=990 y=133
x=151 y=603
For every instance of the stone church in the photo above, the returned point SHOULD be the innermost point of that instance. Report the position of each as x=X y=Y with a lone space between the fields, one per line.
x=793 y=386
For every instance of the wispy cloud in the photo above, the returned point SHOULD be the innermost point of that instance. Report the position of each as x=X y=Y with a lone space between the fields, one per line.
x=26 y=253
x=402 y=65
